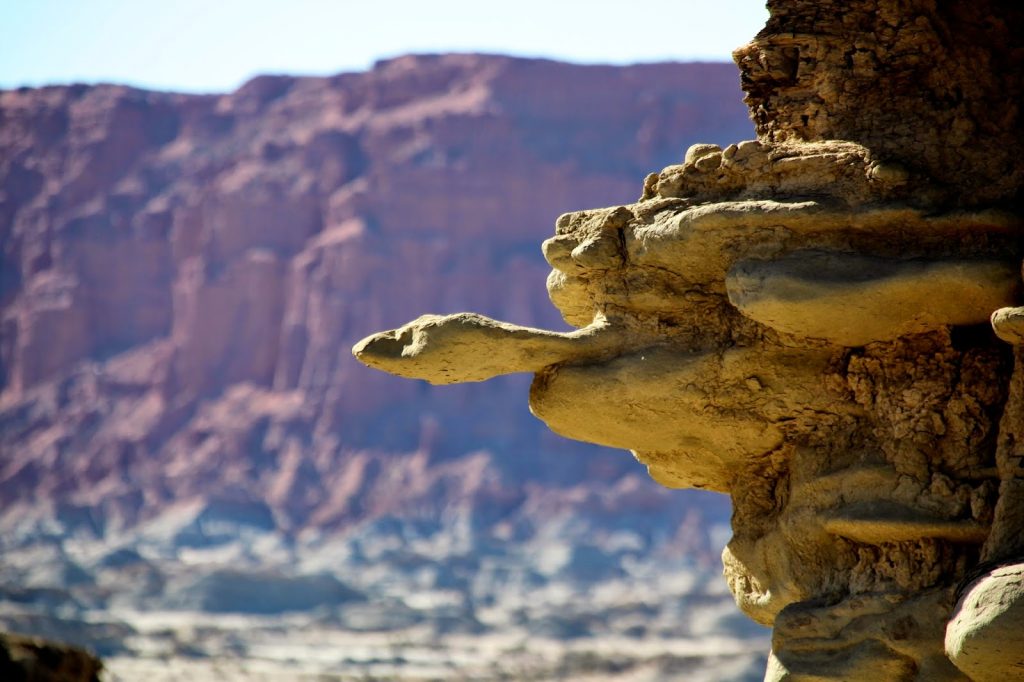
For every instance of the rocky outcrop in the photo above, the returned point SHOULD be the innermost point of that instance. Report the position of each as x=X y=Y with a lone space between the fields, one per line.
x=801 y=321
x=29 y=659
x=931 y=86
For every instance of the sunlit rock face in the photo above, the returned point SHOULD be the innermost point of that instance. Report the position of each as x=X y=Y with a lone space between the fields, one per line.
x=802 y=321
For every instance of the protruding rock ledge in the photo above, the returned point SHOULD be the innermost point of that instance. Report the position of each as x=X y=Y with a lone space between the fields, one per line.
x=852 y=300
x=469 y=347
x=880 y=523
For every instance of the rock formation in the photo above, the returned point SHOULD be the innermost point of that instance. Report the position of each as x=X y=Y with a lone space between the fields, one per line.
x=802 y=321
x=28 y=659
x=177 y=276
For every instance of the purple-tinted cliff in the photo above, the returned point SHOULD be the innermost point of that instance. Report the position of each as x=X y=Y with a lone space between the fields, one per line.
x=182 y=275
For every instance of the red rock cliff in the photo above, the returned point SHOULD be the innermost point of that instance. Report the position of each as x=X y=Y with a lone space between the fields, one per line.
x=181 y=277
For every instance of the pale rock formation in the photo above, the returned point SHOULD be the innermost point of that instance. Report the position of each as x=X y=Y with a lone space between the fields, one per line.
x=801 y=321
x=984 y=636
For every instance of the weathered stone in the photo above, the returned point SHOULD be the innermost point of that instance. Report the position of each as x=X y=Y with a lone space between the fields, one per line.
x=709 y=163
x=799 y=325
x=984 y=637
x=698 y=151
x=931 y=86
x=437 y=349
x=852 y=300
x=1008 y=324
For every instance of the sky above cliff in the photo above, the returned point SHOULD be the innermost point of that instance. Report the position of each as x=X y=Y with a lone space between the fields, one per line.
x=209 y=46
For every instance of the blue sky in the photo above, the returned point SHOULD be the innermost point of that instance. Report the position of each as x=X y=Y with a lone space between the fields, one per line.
x=215 y=45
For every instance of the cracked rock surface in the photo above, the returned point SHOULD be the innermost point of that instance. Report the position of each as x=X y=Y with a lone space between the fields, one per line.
x=801 y=321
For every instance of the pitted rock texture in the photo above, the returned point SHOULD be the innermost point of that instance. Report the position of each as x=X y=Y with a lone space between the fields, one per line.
x=931 y=86
x=802 y=321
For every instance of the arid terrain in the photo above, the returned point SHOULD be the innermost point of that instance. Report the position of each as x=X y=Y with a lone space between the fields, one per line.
x=199 y=482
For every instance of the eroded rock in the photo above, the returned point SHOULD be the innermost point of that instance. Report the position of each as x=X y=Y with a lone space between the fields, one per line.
x=866 y=299
x=800 y=323
x=439 y=348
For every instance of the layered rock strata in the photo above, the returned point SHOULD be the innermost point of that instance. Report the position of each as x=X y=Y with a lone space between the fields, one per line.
x=802 y=321
x=178 y=272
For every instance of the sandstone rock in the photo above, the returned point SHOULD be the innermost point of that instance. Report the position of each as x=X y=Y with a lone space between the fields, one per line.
x=1008 y=324
x=435 y=348
x=919 y=85
x=800 y=322
x=983 y=638
x=851 y=300
x=698 y=151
